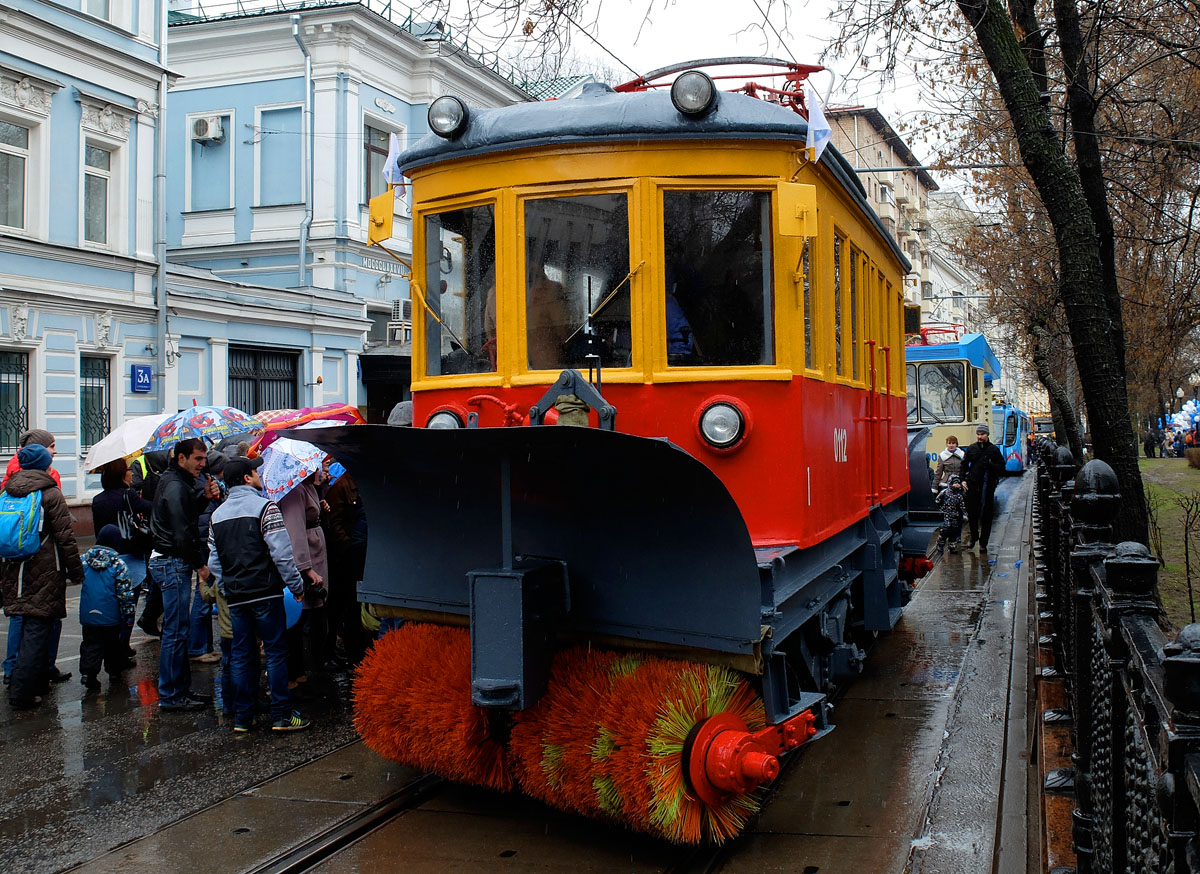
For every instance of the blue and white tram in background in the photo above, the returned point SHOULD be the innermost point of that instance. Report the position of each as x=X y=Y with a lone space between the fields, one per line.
x=1011 y=428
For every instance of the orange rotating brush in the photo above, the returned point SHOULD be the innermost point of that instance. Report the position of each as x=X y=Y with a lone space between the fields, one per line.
x=672 y=748
x=412 y=704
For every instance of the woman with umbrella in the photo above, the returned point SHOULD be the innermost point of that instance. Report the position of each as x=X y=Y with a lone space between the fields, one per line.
x=288 y=475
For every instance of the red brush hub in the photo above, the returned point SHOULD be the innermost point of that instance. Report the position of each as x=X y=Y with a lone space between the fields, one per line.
x=725 y=758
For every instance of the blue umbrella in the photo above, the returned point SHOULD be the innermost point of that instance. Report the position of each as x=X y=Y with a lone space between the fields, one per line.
x=208 y=423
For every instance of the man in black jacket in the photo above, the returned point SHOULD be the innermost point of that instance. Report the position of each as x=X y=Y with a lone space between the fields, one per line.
x=178 y=550
x=982 y=467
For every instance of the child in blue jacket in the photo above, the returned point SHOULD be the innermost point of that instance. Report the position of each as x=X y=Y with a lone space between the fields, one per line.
x=105 y=606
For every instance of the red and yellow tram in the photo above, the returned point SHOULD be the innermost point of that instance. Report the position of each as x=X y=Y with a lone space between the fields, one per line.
x=636 y=618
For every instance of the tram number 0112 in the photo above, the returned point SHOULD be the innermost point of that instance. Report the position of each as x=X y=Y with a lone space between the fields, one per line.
x=839 y=444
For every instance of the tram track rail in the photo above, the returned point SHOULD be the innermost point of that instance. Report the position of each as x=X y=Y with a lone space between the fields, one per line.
x=324 y=846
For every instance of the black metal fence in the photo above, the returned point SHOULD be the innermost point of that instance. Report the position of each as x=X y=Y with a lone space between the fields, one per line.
x=1134 y=695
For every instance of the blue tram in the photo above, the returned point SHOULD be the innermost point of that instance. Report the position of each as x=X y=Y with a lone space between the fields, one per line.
x=1011 y=428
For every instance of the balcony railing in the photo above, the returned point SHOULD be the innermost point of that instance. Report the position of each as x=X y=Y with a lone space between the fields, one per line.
x=188 y=13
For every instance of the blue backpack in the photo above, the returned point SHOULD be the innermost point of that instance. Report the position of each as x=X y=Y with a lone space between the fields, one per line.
x=20 y=525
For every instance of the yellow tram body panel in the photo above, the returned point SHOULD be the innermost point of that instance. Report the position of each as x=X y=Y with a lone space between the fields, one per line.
x=643 y=171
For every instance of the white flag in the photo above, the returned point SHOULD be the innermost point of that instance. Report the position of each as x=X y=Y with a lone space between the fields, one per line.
x=391 y=170
x=819 y=130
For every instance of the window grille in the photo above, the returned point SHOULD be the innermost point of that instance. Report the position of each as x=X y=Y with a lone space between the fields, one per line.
x=14 y=398
x=263 y=380
x=95 y=400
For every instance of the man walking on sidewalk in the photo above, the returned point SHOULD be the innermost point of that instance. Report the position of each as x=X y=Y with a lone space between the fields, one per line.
x=178 y=550
x=982 y=467
x=251 y=557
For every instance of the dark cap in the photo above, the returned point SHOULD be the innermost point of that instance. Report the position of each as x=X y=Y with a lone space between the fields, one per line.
x=237 y=469
x=982 y=429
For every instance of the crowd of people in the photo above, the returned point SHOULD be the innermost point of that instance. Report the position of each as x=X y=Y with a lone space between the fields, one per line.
x=1168 y=442
x=184 y=531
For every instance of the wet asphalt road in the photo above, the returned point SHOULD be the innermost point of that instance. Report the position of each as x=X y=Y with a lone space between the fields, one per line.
x=88 y=771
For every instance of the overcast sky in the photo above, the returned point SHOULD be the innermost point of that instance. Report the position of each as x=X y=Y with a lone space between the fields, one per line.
x=682 y=30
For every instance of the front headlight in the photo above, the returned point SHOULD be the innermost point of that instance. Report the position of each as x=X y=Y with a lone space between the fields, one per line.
x=694 y=94
x=722 y=425
x=448 y=116
x=444 y=420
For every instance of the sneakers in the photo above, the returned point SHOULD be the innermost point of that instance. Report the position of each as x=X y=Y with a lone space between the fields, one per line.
x=295 y=722
x=954 y=549
x=242 y=726
x=89 y=682
x=208 y=658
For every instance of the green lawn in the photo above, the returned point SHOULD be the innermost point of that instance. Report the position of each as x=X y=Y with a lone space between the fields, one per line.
x=1168 y=479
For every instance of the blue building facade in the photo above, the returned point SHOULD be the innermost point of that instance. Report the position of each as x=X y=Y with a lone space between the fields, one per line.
x=279 y=127
x=81 y=83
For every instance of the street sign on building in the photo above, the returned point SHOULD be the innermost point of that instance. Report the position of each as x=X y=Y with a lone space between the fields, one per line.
x=141 y=377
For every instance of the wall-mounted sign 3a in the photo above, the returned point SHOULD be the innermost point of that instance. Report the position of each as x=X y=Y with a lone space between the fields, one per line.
x=141 y=377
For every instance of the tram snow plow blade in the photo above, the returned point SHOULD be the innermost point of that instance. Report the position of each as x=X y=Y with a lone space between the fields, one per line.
x=654 y=548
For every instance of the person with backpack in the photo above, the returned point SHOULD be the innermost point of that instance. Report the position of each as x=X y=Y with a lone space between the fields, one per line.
x=105 y=609
x=38 y=554
x=40 y=437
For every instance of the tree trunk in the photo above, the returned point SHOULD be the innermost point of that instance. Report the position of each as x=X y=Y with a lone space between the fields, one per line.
x=1097 y=334
x=1065 y=420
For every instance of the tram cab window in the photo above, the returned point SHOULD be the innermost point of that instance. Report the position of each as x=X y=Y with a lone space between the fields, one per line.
x=719 y=304
x=576 y=281
x=941 y=392
x=460 y=278
x=911 y=374
x=1010 y=430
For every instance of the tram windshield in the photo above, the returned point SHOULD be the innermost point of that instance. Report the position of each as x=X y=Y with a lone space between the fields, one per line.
x=460 y=270
x=719 y=307
x=937 y=392
x=576 y=281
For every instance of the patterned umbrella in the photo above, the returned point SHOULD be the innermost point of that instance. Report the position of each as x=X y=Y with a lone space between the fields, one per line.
x=278 y=420
x=286 y=464
x=208 y=423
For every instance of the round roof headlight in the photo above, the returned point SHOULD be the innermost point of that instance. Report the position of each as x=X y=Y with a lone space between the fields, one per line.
x=444 y=421
x=448 y=116
x=722 y=425
x=694 y=94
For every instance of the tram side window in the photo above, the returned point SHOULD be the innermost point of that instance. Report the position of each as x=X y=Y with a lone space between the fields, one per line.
x=854 y=314
x=719 y=302
x=460 y=279
x=837 y=303
x=577 y=281
x=806 y=267
x=911 y=374
x=941 y=389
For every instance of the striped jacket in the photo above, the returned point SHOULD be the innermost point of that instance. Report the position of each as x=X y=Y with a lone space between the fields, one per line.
x=250 y=554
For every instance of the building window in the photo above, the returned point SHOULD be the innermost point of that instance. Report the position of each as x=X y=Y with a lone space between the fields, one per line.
x=95 y=400
x=14 y=398
x=926 y=290
x=98 y=8
x=375 y=146
x=14 y=158
x=261 y=379
x=96 y=176
x=889 y=225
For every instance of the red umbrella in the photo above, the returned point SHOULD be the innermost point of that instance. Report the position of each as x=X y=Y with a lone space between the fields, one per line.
x=278 y=420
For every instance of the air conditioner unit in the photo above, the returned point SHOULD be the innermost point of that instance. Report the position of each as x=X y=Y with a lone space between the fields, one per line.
x=402 y=310
x=207 y=130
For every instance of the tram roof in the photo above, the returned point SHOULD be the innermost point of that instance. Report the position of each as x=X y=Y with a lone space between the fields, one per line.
x=601 y=114
x=973 y=347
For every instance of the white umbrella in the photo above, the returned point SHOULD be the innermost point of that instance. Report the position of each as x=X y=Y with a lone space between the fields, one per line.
x=125 y=440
